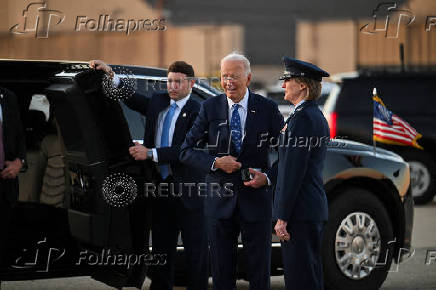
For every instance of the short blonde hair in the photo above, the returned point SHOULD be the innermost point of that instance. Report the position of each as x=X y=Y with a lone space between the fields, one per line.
x=313 y=86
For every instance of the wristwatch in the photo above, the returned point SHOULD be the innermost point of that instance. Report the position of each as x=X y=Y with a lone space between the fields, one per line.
x=150 y=154
x=23 y=165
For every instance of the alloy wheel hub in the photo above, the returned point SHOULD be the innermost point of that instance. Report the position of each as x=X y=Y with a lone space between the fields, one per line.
x=357 y=246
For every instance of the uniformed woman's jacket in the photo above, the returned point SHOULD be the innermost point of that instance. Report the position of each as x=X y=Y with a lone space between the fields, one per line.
x=299 y=194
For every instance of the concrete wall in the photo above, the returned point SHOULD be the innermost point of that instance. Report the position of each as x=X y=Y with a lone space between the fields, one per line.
x=200 y=45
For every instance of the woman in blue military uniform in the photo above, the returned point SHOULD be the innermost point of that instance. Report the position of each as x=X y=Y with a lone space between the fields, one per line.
x=300 y=203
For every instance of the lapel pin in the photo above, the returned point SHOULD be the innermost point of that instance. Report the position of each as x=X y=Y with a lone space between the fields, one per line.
x=184 y=115
x=253 y=111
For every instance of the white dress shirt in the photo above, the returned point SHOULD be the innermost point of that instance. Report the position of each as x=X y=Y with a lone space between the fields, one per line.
x=180 y=104
x=299 y=104
x=242 y=110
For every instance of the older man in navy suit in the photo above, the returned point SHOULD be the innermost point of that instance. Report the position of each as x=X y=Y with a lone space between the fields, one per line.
x=300 y=203
x=235 y=126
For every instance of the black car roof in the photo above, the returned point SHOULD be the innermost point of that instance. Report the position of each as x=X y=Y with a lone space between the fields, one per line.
x=11 y=68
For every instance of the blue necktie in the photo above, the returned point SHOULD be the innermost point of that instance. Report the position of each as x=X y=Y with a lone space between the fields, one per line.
x=165 y=138
x=235 y=128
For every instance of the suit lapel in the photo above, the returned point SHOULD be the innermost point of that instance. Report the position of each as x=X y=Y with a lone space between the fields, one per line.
x=2 y=103
x=250 y=121
x=161 y=104
x=182 y=122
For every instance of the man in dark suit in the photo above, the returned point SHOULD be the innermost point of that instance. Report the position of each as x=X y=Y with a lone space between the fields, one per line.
x=236 y=126
x=300 y=203
x=12 y=155
x=177 y=208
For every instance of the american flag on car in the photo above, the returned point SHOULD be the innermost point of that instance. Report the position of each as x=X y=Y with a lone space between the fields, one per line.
x=390 y=129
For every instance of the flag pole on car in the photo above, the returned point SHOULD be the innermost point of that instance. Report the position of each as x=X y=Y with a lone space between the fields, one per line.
x=389 y=128
x=374 y=142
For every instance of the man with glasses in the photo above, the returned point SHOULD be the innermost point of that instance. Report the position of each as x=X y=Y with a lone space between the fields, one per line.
x=177 y=208
x=236 y=126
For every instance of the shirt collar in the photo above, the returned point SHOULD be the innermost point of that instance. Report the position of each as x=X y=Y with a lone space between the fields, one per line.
x=299 y=103
x=182 y=102
x=243 y=102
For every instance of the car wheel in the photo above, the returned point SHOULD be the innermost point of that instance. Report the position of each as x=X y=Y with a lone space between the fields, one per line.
x=357 y=243
x=422 y=175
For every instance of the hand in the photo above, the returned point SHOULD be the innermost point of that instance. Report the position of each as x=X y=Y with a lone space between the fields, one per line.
x=12 y=169
x=259 y=179
x=139 y=152
x=100 y=65
x=228 y=164
x=281 y=231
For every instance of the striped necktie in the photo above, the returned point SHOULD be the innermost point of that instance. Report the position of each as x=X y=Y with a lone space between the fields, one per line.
x=165 y=138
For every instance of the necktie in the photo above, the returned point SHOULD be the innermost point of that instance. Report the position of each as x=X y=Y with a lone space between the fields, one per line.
x=235 y=128
x=165 y=139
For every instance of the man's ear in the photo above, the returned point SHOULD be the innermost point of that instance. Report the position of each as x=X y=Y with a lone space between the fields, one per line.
x=248 y=79
x=192 y=82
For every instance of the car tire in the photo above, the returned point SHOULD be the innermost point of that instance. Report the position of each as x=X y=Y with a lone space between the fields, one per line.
x=358 y=204
x=422 y=175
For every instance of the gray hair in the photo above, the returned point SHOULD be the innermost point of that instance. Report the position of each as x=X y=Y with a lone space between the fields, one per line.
x=235 y=56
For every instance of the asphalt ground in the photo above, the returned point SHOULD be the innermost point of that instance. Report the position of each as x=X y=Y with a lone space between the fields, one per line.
x=413 y=274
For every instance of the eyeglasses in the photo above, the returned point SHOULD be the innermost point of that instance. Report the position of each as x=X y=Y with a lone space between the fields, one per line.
x=177 y=82
x=231 y=78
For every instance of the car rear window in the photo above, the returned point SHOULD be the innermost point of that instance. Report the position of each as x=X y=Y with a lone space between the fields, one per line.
x=411 y=96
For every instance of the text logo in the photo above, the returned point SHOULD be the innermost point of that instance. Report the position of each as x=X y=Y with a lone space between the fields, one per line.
x=38 y=19
x=40 y=259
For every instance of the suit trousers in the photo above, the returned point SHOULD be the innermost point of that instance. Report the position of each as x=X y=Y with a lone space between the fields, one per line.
x=170 y=218
x=302 y=256
x=256 y=239
x=8 y=191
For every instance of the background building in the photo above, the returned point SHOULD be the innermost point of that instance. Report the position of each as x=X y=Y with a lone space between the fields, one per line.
x=327 y=33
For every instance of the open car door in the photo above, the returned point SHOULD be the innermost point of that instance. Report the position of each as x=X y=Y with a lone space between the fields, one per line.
x=96 y=229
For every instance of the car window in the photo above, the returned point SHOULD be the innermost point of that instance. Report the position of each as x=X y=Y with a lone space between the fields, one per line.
x=403 y=96
x=277 y=97
x=146 y=88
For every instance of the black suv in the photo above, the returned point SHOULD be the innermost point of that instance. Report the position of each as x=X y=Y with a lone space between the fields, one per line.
x=370 y=205
x=409 y=95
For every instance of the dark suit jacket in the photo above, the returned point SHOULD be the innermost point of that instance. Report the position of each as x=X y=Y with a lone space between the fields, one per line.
x=181 y=173
x=299 y=194
x=212 y=127
x=13 y=137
